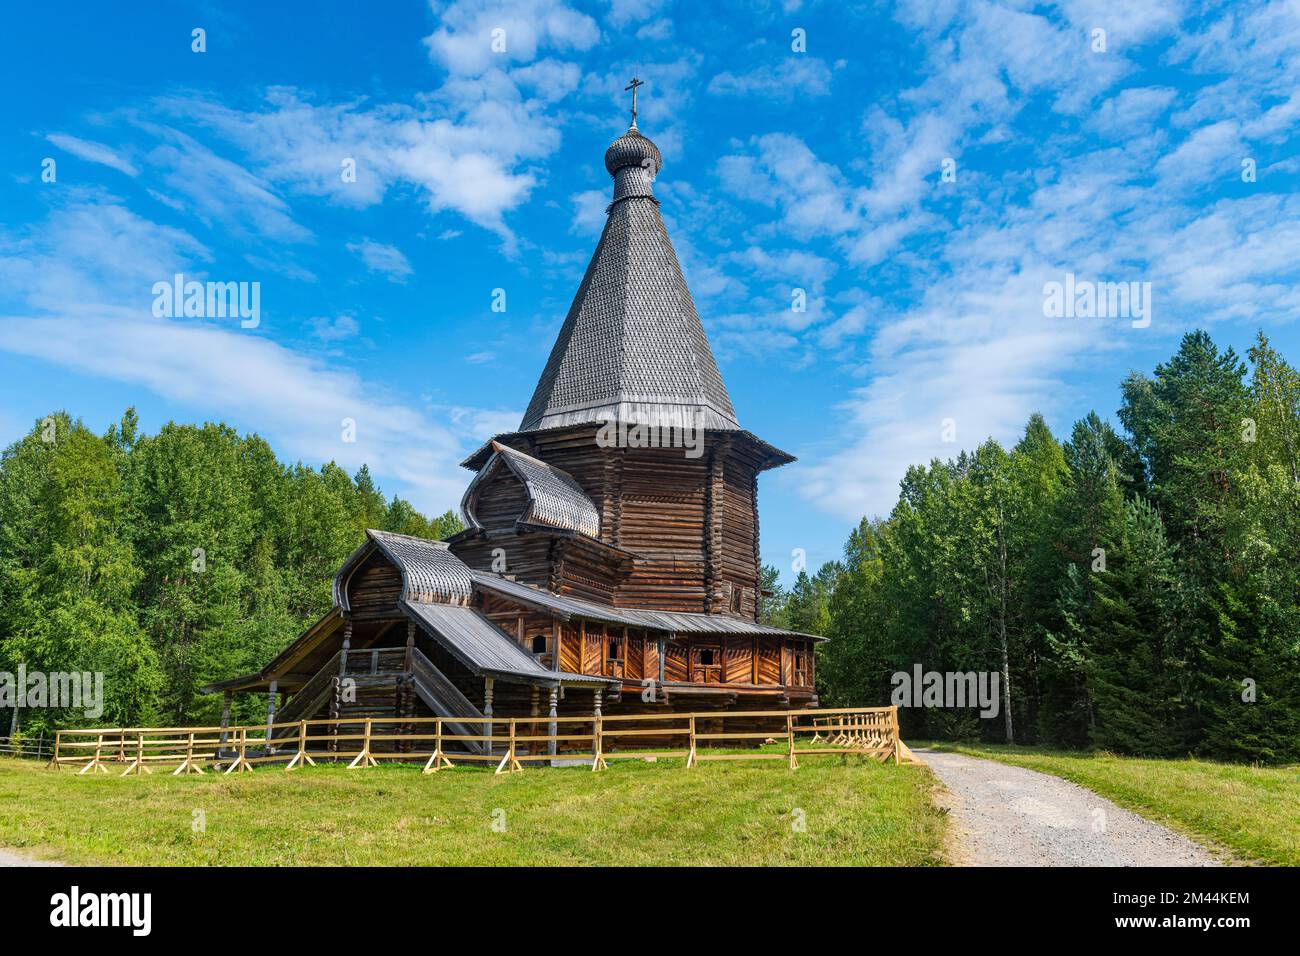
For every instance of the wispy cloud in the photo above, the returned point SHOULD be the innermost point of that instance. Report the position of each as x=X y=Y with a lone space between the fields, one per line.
x=92 y=152
x=793 y=75
x=382 y=258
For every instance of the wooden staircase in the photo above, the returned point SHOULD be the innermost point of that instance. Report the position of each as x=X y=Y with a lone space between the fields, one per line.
x=382 y=682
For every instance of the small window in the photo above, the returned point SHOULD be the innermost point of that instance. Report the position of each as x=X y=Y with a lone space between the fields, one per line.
x=539 y=643
x=614 y=649
x=737 y=595
x=706 y=657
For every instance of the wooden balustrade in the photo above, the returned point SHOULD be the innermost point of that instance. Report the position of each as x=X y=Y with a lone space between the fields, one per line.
x=865 y=731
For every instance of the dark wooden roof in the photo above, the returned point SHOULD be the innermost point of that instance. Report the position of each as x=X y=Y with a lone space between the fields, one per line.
x=485 y=649
x=430 y=572
x=632 y=347
x=555 y=499
x=769 y=454
x=673 y=622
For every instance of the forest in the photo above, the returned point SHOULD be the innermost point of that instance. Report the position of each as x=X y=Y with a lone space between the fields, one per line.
x=1137 y=588
x=170 y=560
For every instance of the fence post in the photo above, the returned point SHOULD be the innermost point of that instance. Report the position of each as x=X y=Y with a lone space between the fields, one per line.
x=789 y=733
x=893 y=713
x=301 y=756
x=437 y=761
x=364 y=758
x=58 y=738
x=508 y=763
x=94 y=761
x=690 y=756
x=598 y=749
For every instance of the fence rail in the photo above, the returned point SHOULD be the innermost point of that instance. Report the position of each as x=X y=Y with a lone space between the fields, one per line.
x=510 y=742
x=40 y=747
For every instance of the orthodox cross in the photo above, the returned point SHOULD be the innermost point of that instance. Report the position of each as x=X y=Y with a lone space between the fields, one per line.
x=632 y=86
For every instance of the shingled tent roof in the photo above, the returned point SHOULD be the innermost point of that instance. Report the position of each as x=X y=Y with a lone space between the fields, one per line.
x=632 y=347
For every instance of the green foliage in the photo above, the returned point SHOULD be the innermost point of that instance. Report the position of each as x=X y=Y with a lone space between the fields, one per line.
x=1133 y=589
x=169 y=561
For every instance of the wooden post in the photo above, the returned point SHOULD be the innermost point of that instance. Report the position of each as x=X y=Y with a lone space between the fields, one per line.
x=438 y=760
x=240 y=762
x=58 y=739
x=597 y=741
x=138 y=765
x=551 y=745
x=95 y=762
x=271 y=695
x=188 y=765
x=336 y=700
x=789 y=736
x=347 y=644
x=487 y=711
x=508 y=763
x=364 y=758
x=225 y=716
x=301 y=756
x=893 y=721
x=690 y=756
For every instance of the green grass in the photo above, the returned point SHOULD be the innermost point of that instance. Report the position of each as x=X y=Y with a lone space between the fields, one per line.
x=719 y=814
x=1251 y=814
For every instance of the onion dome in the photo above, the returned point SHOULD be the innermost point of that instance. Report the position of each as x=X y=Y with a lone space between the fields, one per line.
x=633 y=149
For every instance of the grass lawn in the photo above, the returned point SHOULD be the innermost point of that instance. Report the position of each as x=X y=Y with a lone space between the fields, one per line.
x=1252 y=813
x=719 y=814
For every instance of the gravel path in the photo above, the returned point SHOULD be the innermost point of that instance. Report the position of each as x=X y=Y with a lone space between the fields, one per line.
x=10 y=858
x=1009 y=816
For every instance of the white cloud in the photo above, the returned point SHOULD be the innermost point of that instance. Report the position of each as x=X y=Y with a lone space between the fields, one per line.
x=92 y=152
x=219 y=190
x=76 y=292
x=334 y=329
x=793 y=75
x=463 y=42
x=589 y=211
x=623 y=12
x=1211 y=153
x=382 y=258
x=300 y=402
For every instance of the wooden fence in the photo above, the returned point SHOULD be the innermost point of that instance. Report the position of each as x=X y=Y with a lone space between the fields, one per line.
x=509 y=742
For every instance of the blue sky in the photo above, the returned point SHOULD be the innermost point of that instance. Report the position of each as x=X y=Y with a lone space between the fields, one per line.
x=478 y=170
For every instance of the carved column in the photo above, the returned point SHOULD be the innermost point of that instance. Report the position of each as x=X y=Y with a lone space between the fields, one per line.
x=487 y=710
x=551 y=744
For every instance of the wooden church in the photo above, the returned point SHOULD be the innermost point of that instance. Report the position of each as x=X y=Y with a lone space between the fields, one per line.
x=610 y=557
